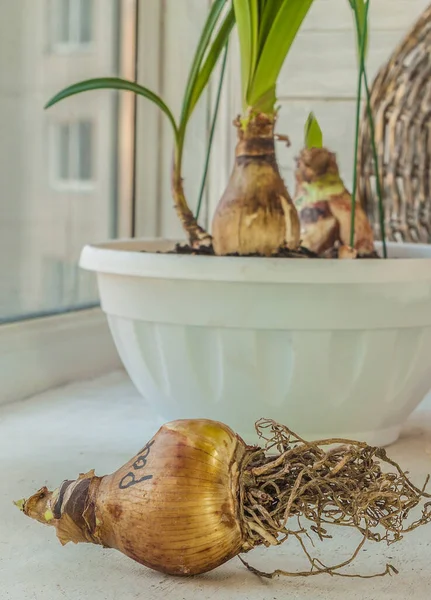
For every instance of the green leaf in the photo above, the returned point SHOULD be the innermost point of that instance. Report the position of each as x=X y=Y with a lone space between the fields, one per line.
x=359 y=16
x=261 y=5
x=361 y=71
x=268 y=14
x=285 y=26
x=204 y=40
x=113 y=83
x=313 y=136
x=254 y=13
x=212 y=130
x=212 y=57
x=246 y=17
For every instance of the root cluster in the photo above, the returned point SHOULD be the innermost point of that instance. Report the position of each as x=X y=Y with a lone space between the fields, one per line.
x=292 y=488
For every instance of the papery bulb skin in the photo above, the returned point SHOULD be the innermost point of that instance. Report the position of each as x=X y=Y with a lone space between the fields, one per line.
x=256 y=214
x=174 y=507
x=325 y=206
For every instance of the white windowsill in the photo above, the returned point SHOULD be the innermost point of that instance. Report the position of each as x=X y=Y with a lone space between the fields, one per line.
x=101 y=424
x=40 y=354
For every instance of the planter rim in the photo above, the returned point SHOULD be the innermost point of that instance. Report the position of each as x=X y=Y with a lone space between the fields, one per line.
x=126 y=257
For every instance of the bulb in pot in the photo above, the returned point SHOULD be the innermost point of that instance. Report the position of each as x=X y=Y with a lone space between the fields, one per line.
x=325 y=207
x=255 y=213
x=196 y=495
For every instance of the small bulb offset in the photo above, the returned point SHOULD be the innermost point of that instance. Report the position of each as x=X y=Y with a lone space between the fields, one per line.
x=325 y=207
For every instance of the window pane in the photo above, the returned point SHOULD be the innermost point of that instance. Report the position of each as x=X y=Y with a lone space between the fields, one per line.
x=85 y=148
x=63 y=151
x=49 y=208
x=64 y=20
x=86 y=21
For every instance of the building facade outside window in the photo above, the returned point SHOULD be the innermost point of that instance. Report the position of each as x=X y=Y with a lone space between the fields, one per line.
x=58 y=165
x=71 y=155
x=71 y=25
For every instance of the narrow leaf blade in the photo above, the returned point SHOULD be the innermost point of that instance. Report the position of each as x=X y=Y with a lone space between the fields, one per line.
x=204 y=40
x=359 y=15
x=212 y=130
x=269 y=12
x=254 y=16
x=244 y=28
x=276 y=46
x=313 y=136
x=112 y=83
x=212 y=57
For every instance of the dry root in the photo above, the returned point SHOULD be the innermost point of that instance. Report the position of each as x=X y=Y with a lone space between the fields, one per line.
x=328 y=482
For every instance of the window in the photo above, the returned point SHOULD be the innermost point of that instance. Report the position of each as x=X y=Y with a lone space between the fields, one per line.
x=71 y=24
x=68 y=172
x=58 y=167
x=71 y=155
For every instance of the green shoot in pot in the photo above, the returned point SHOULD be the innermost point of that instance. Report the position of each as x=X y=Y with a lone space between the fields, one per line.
x=256 y=214
x=324 y=204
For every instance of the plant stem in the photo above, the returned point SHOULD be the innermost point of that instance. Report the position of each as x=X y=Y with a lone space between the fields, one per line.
x=363 y=38
x=376 y=167
x=212 y=130
x=197 y=236
x=373 y=143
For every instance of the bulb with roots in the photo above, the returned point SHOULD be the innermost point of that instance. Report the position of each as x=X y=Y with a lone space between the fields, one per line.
x=196 y=496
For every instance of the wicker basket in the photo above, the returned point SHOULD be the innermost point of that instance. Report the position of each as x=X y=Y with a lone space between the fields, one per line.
x=401 y=106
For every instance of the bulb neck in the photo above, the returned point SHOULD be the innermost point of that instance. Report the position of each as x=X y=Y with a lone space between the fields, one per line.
x=316 y=164
x=256 y=139
x=70 y=508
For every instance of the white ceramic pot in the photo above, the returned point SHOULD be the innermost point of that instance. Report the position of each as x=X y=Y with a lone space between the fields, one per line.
x=328 y=347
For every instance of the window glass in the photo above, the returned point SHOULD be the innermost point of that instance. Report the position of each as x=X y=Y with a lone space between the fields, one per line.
x=72 y=23
x=57 y=166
